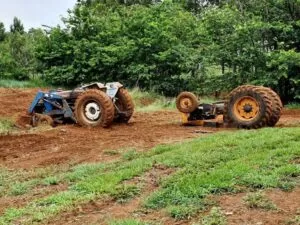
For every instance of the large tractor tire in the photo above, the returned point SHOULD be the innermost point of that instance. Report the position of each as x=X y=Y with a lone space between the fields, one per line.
x=187 y=102
x=248 y=107
x=226 y=108
x=94 y=108
x=124 y=103
x=276 y=107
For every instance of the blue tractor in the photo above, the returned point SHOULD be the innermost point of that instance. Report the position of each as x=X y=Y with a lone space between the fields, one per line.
x=90 y=105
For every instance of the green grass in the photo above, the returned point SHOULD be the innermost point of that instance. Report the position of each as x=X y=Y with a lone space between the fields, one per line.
x=124 y=193
x=32 y=83
x=6 y=126
x=215 y=217
x=294 y=221
x=258 y=200
x=20 y=182
x=292 y=106
x=149 y=101
x=217 y=164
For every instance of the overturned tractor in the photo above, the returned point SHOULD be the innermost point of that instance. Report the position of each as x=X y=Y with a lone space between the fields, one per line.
x=246 y=106
x=90 y=105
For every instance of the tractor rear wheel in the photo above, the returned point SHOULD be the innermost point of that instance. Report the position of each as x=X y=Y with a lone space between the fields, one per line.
x=186 y=102
x=94 y=108
x=248 y=107
x=276 y=107
x=124 y=104
x=226 y=118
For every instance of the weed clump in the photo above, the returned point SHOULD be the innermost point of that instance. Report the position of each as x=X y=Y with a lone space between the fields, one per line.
x=124 y=193
x=258 y=200
x=215 y=217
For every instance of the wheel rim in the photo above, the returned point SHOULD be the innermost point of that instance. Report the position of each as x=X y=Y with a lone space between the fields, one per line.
x=92 y=111
x=186 y=103
x=246 y=108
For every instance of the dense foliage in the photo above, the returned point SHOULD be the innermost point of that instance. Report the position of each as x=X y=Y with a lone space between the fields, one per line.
x=205 y=46
x=17 y=58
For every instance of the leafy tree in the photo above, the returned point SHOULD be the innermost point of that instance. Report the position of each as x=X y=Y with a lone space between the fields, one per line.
x=2 y=32
x=17 y=26
x=205 y=46
x=249 y=45
x=152 y=47
x=18 y=60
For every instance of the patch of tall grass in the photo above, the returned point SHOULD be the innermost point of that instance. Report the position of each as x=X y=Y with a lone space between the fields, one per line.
x=6 y=125
x=32 y=83
x=148 y=101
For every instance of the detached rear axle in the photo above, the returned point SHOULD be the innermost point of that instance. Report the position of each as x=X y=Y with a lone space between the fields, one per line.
x=246 y=106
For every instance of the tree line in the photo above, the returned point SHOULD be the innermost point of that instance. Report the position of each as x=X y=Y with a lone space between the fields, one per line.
x=205 y=46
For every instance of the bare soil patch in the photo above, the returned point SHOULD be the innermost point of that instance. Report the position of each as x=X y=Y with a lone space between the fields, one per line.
x=74 y=144
x=288 y=205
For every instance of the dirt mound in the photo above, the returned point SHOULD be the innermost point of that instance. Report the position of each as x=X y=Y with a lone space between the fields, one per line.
x=23 y=121
x=15 y=101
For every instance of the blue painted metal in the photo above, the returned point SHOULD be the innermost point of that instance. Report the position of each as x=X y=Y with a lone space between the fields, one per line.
x=52 y=107
x=39 y=96
x=56 y=106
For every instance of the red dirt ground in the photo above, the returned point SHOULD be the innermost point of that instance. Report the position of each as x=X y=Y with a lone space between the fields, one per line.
x=73 y=144
x=287 y=203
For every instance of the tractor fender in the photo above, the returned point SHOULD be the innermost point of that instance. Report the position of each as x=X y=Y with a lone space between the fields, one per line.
x=95 y=85
x=112 y=89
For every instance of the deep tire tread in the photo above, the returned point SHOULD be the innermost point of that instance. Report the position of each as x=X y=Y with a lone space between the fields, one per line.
x=263 y=119
x=277 y=107
x=126 y=103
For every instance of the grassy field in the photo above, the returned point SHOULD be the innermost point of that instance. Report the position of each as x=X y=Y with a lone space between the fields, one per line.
x=227 y=162
x=33 y=83
x=150 y=101
x=293 y=106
